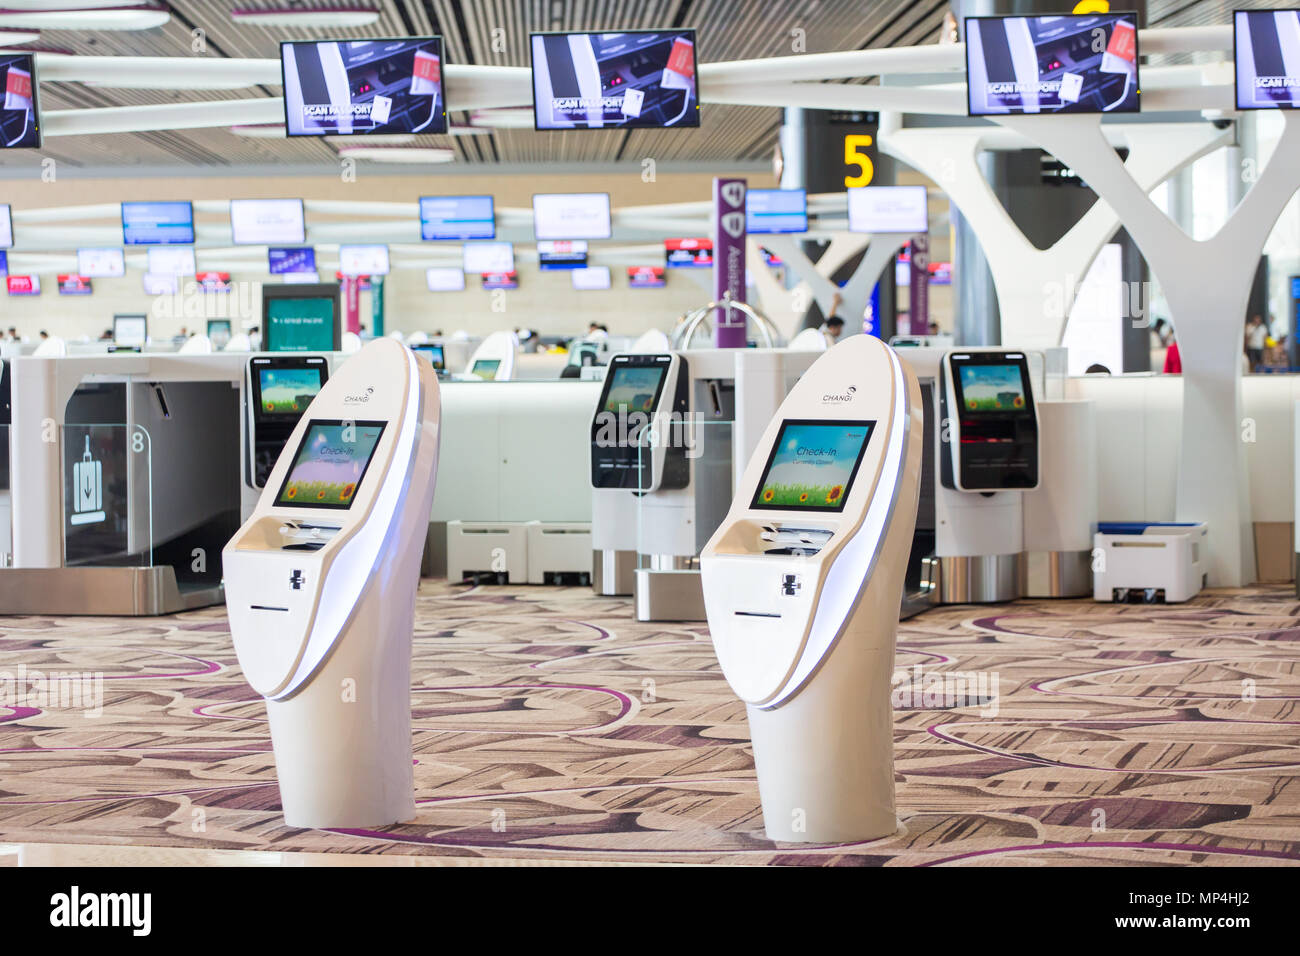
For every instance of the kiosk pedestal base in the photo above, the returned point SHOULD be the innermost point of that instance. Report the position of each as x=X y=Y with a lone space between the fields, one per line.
x=1057 y=574
x=663 y=595
x=980 y=579
x=613 y=573
x=343 y=745
x=825 y=759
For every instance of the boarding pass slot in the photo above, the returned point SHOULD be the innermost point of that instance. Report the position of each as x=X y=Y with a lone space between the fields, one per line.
x=798 y=542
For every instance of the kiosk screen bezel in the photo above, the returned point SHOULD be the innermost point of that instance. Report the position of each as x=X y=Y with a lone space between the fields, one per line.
x=308 y=432
x=259 y=365
x=1008 y=360
x=757 y=504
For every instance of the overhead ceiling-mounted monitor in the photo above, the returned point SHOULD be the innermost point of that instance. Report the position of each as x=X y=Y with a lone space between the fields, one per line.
x=571 y=216
x=562 y=254
x=886 y=209
x=367 y=260
x=20 y=117
x=484 y=257
x=1266 y=46
x=457 y=218
x=776 y=211
x=158 y=223
x=633 y=80
x=1075 y=63
x=688 y=253
x=646 y=277
x=301 y=318
x=260 y=222
x=101 y=263
x=363 y=87
x=300 y=261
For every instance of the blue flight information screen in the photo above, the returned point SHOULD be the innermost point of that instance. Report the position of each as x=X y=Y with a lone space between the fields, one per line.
x=285 y=261
x=776 y=210
x=457 y=218
x=157 y=223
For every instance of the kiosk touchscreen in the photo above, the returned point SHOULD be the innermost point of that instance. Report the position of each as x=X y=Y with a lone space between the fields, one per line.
x=802 y=586
x=987 y=398
x=280 y=389
x=321 y=583
x=434 y=353
x=644 y=398
x=486 y=369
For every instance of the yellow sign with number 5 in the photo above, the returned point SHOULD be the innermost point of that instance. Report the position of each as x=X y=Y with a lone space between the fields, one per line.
x=855 y=145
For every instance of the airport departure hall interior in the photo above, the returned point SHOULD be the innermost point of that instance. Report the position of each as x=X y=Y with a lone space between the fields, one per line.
x=851 y=434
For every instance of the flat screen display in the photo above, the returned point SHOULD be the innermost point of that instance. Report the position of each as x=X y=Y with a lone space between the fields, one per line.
x=444 y=279
x=991 y=388
x=483 y=257
x=688 y=253
x=298 y=323
x=131 y=330
x=1077 y=63
x=457 y=218
x=287 y=391
x=591 y=279
x=776 y=211
x=158 y=223
x=74 y=285
x=171 y=262
x=571 y=216
x=434 y=353
x=562 y=254
x=219 y=332
x=639 y=79
x=101 y=263
x=812 y=465
x=214 y=281
x=330 y=464
x=486 y=369
x=4 y=263
x=20 y=121
x=646 y=277
x=351 y=87
x=634 y=388
x=1267 y=53
x=159 y=284
x=23 y=285
x=260 y=222
x=369 y=260
x=6 y=227
x=501 y=280
x=888 y=209
x=300 y=261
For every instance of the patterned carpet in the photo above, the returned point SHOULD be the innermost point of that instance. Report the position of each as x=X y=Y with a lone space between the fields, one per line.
x=551 y=726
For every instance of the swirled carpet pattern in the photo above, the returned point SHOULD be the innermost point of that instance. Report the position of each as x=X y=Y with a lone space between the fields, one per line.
x=551 y=726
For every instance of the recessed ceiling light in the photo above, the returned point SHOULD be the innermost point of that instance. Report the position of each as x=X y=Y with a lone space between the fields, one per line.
x=398 y=154
x=326 y=16
x=8 y=38
x=263 y=131
x=453 y=130
x=508 y=117
x=120 y=16
x=375 y=139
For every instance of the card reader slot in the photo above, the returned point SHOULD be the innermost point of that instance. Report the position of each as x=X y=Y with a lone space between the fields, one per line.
x=756 y=614
x=267 y=607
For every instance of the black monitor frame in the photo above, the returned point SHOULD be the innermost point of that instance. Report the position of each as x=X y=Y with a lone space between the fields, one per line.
x=301 y=290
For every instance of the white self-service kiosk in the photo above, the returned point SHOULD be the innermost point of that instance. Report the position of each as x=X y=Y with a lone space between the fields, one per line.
x=494 y=359
x=638 y=446
x=320 y=587
x=802 y=585
x=988 y=456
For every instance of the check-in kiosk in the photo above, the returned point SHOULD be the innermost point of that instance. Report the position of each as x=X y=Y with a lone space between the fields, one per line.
x=320 y=589
x=280 y=388
x=988 y=456
x=637 y=446
x=802 y=584
x=494 y=359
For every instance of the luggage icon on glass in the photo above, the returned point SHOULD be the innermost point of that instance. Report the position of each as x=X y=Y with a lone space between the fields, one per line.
x=88 y=489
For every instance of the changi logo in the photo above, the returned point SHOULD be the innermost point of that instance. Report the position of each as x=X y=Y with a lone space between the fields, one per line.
x=841 y=398
x=734 y=194
x=359 y=399
x=734 y=224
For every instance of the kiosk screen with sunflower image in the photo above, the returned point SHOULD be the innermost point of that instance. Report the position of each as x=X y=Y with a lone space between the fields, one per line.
x=287 y=391
x=634 y=388
x=330 y=464
x=991 y=388
x=812 y=466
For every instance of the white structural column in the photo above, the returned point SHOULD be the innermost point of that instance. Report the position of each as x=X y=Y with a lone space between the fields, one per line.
x=1207 y=285
x=786 y=307
x=1036 y=286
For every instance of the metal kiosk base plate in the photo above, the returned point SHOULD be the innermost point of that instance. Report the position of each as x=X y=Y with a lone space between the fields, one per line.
x=101 y=591
x=664 y=595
